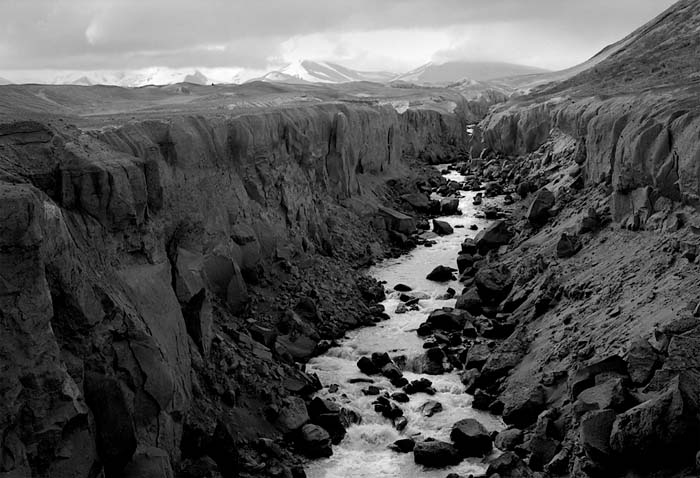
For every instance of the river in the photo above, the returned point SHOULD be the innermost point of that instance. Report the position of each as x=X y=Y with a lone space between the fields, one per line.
x=363 y=453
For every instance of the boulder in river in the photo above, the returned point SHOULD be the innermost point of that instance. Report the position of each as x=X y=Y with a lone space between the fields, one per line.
x=441 y=274
x=471 y=438
x=391 y=371
x=422 y=385
x=436 y=454
x=431 y=362
x=449 y=206
x=380 y=359
x=403 y=445
x=366 y=366
x=442 y=228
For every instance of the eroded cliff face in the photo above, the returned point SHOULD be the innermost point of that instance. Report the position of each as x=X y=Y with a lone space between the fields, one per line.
x=121 y=247
x=630 y=142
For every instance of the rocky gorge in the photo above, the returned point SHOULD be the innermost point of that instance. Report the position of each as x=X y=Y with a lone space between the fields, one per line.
x=211 y=281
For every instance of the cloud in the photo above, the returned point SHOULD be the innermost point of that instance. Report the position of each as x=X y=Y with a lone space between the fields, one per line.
x=92 y=34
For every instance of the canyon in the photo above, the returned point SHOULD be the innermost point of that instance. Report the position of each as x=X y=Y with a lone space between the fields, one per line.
x=181 y=267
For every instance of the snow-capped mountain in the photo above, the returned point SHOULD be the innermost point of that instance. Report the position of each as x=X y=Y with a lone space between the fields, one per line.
x=306 y=71
x=454 y=71
x=134 y=78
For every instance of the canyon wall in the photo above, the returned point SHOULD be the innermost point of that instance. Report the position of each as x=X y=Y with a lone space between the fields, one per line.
x=117 y=244
x=648 y=140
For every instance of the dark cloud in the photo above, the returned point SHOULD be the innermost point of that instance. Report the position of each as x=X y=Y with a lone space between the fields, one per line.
x=85 y=34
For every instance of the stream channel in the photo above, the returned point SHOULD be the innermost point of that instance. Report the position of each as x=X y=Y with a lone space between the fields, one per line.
x=363 y=453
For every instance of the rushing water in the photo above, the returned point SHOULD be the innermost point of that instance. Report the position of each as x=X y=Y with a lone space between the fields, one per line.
x=363 y=453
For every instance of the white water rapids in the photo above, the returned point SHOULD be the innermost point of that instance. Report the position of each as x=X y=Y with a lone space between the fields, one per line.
x=363 y=453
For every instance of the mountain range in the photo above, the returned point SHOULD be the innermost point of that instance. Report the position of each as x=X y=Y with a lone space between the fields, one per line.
x=302 y=71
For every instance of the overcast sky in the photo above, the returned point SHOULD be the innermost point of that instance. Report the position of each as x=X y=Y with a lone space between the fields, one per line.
x=395 y=35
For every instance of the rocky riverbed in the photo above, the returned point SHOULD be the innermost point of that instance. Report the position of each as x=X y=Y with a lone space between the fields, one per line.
x=373 y=446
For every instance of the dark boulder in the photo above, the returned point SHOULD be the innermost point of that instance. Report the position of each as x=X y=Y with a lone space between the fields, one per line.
x=293 y=414
x=464 y=262
x=392 y=372
x=418 y=201
x=380 y=359
x=505 y=356
x=436 y=454
x=494 y=284
x=495 y=235
x=442 y=228
x=523 y=189
x=508 y=465
x=314 y=441
x=509 y=439
x=539 y=209
x=471 y=302
x=442 y=319
x=524 y=406
x=115 y=434
x=567 y=246
x=471 y=438
x=403 y=445
x=366 y=366
x=431 y=362
x=594 y=434
x=469 y=246
x=590 y=222
x=662 y=429
x=610 y=394
x=441 y=274
x=449 y=206
x=469 y=379
x=642 y=361
x=585 y=377
x=422 y=385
